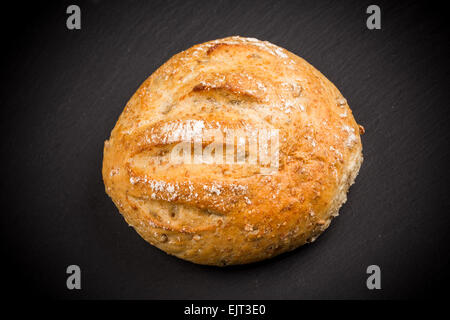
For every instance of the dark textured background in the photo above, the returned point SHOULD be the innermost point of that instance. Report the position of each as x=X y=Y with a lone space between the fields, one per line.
x=62 y=91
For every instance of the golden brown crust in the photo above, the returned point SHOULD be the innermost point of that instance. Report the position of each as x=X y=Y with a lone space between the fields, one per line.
x=221 y=214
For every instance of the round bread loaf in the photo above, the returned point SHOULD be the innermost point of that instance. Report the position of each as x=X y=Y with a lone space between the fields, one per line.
x=224 y=213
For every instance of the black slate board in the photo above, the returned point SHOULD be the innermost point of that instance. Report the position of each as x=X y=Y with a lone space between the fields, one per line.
x=63 y=91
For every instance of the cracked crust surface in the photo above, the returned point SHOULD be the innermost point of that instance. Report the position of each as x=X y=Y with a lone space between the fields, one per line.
x=219 y=214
